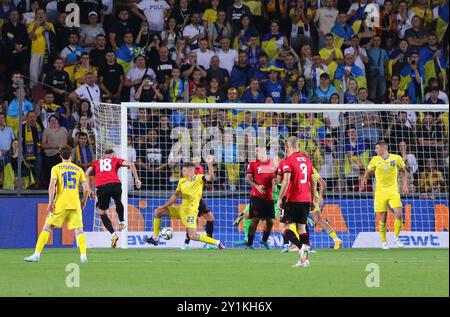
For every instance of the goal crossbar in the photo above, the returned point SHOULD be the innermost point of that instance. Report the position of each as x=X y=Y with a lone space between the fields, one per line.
x=289 y=107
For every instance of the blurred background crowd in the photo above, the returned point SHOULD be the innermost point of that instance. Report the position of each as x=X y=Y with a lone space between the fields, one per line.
x=225 y=51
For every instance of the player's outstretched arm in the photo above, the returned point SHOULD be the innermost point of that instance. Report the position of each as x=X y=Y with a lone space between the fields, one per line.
x=405 y=187
x=51 y=195
x=132 y=166
x=322 y=189
x=86 y=191
x=312 y=190
x=88 y=174
x=365 y=177
x=210 y=161
x=172 y=199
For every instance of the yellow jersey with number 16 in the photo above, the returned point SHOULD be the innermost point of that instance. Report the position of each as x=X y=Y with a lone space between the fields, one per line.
x=68 y=177
x=386 y=173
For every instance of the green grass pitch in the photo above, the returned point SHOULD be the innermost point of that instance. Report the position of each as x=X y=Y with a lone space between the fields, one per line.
x=232 y=272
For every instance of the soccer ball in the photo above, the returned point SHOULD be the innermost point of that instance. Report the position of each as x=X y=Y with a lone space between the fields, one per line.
x=166 y=233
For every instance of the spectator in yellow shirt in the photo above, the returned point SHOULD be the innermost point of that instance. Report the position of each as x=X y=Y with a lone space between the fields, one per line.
x=331 y=56
x=80 y=70
x=39 y=34
x=431 y=180
x=423 y=10
x=210 y=14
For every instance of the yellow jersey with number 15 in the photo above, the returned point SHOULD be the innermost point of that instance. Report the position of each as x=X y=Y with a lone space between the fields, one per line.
x=191 y=190
x=68 y=177
x=386 y=173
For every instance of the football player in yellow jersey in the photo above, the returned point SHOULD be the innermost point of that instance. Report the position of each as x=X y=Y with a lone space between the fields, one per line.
x=190 y=189
x=65 y=207
x=386 y=167
x=316 y=213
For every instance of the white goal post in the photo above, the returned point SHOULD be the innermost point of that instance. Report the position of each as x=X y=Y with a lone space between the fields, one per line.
x=222 y=130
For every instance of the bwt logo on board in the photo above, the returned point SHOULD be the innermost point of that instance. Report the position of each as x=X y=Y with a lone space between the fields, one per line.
x=420 y=241
x=73 y=15
x=139 y=240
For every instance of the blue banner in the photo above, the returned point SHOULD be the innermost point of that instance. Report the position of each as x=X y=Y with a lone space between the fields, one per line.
x=21 y=219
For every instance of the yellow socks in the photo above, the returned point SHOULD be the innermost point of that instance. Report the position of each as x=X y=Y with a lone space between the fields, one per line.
x=382 y=226
x=42 y=240
x=397 y=227
x=81 y=241
x=156 y=227
x=206 y=239
x=332 y=234
x=293 y=228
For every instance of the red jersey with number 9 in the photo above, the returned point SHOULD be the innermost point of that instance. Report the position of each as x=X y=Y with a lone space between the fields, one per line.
x=106 y=170
x=301 y=170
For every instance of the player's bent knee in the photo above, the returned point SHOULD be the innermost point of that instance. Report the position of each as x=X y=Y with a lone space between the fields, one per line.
x=48 y=228
x=316 y=217
x=163 y=212
x=192 y=235
x=79 y=231
x=255 y=221
x=301 y=228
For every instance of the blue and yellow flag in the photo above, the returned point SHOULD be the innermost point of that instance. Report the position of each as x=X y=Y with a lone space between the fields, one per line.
x=357 y=20
x=125 y=56
x=432 y=67
x=269 y=44
x=442 y=22
x=341 y=33
x=356 y=72
x=245 y=39
x=175 y=89
x=407 y=82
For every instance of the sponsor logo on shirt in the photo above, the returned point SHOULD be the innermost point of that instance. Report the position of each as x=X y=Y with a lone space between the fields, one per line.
x=165 y=67
x=155 y=7
x=276 y=94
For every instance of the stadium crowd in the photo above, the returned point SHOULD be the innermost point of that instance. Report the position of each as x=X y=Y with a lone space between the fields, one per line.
x=225 y=51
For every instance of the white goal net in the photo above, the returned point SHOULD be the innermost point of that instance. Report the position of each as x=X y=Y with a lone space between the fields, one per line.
x=340 y=139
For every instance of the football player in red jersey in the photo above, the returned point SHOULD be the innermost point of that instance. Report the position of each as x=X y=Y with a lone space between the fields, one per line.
x=108 y=186
x=203 y=210
x=299 y=188
x=260 y=176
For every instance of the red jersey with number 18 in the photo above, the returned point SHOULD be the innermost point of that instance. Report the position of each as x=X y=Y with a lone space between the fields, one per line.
x=301 y=170
x=106 y=170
